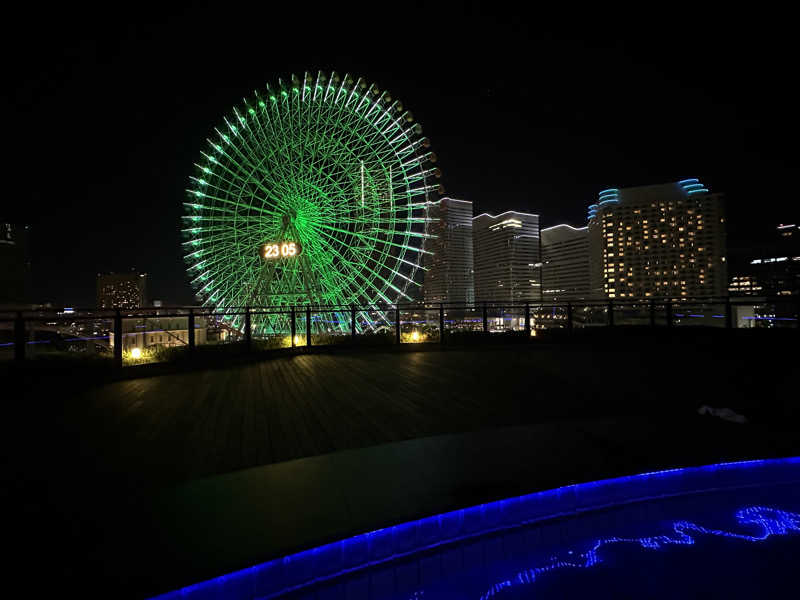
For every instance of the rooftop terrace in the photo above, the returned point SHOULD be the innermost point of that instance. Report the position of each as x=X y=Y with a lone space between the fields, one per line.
x=139 y=486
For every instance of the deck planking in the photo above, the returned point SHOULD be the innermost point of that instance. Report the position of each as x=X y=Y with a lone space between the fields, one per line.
x=170 y=428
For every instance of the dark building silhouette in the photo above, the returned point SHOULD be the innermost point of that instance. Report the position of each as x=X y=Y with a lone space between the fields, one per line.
x=771 y=268
x=15 y=265
x=769 y=272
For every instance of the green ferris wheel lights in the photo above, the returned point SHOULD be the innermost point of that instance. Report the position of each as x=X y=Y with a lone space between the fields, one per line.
x=312 y=193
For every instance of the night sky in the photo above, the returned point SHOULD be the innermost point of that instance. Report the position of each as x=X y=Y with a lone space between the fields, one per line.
x=106 y=112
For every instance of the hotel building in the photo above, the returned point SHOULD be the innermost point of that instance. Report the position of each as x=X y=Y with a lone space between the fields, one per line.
x=507 y=255
x=658 y=240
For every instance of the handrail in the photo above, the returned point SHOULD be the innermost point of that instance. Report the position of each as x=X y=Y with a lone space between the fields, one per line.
x=155 y=312
x=540 y=313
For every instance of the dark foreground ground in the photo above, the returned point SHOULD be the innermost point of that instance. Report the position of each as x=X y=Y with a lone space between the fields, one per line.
x=102 y=482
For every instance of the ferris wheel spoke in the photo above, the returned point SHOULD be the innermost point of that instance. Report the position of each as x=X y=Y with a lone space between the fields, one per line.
x=376 y=274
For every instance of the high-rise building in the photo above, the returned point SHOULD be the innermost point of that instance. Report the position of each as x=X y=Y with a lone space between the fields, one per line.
x=658 y=240
x=449 y=273
x=771 y=268
x=121 y=290
x=15 y=265
x=506 y=253
x=565 y=263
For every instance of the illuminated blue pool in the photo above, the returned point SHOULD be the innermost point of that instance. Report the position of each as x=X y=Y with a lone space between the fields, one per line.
x=727 y=530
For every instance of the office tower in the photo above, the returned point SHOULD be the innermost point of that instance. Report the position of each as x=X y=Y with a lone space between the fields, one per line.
x=121 y=290
x=506 y=253
x=448 y=277
x=565 y=263
x=658 y=240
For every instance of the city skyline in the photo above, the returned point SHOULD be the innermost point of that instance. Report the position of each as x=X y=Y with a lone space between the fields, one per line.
x=554 y=274
x=533 y=119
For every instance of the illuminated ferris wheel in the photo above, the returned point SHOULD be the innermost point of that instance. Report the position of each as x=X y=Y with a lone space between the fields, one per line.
x=312 y=192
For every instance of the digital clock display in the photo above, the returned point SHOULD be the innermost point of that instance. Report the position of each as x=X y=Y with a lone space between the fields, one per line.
x=277 y=250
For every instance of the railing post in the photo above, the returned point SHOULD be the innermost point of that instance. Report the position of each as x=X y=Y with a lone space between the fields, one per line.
x=797 y=313
x=610 y=313
x=308 y=327
x=117 y=339
x=668 y=312
x=293 y=327
x=397 y=323
x=485 y=318
x=569 y=317
x=652 y=313
x=248 y=329
x=728 y=314
x=441 y=323
x=190 y=325
x=19 y=337
x=527 y=320
x=353 y=323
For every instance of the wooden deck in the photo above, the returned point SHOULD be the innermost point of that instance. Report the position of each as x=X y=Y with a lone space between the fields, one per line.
x=166 y=429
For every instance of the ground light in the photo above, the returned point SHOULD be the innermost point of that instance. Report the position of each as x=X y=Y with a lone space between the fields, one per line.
x=415 y=336
x=136 y=353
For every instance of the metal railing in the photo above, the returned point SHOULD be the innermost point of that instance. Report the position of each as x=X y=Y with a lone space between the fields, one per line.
x=440 y=320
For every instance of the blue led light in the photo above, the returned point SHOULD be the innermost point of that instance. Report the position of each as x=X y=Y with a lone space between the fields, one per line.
x=323 y=563
x=5 y=344
x=769 y=522
x=613 y=190
x=769 y=318
x=693 y=186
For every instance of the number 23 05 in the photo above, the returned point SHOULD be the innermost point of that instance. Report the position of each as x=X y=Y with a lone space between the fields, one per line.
x=280 y=250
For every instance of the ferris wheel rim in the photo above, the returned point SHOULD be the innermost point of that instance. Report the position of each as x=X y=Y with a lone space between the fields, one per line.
x=357 y=254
